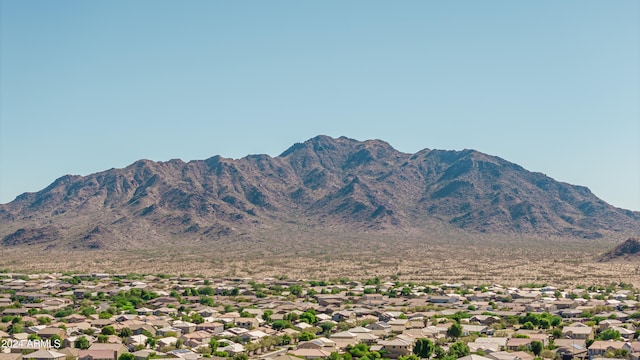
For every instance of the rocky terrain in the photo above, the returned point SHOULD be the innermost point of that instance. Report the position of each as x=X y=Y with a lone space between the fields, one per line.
x=359 y=187
x=628 y=250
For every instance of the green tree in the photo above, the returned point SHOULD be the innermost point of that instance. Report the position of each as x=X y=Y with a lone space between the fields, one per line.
x=240 y=356
x=266 y=315
x=358 y=350
x=455 y=331
x=207 y=301
x=16 y=328
x=408 y=357
x=609 y=334
x=295 y=290
x=105 y=315
x=56 y=340
x=459 y=349
x=309 y=316
x=281 y=324
x=213 y=344
x=423 y=348
x=439 y=352
x=125 y=333
x=206 y=290
x=536 y=347
x=126 y=356
x=81 y=343
x=545 y=323
x=306 y=336
x=528 y=325
x=327 y=327
x=108 y=330
x=103 y=339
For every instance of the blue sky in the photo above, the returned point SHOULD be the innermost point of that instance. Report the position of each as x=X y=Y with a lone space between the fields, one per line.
x=551 y=85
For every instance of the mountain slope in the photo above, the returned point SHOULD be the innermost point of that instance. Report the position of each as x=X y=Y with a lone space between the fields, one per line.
x=627 y=250
x=363 y=186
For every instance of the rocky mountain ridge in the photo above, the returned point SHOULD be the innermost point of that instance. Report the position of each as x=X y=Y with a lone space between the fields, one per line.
x=362 y=186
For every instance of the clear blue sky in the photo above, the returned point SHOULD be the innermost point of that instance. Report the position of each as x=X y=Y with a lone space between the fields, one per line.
x=551 y=85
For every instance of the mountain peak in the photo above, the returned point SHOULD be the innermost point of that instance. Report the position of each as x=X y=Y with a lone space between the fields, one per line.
x=324 y=181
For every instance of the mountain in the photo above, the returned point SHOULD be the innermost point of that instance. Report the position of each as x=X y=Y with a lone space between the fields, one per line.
x=361 y=186
x=627 y=250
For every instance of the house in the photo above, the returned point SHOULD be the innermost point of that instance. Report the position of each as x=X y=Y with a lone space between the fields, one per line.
x=572 y=352
x=164 y=311
x=146 y=354
x=116 y=349
x=184 y=354
x=139 y=329
x=570 y=343
x=578 y=331
x=319 y=343
x=212 y=327
x=380 y=328
x=443 y=299
x=344 y=338
x=168 y=329
x=570 y=313
x=397 y=347
x=514 y=343
x=96 y=355
x=491 y=342
x=372 y=297
x=232 y=348
x=343 y=315
x=398 y=325
x=75 y=318
x=100 y=323
x=247 y=323
x=474 y=357
x=310 y=353
x=185 y=327
x=302 y=326
x=598 y=348
x=167 y=341
x=609 y=323
x=485 y=320
x=390 y=315
x=624 y=332
x=565 y=304
x=15 y=311
x=253 y=335
x=503 y=355
x=364 y=335
x=477 y=329
x=48 y=332
x=44 y=355
x=144 y=311
x=196 y=338
x=10 y=356
x=135 y=341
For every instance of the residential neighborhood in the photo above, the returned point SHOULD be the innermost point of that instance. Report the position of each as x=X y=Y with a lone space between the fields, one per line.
x=137 y=317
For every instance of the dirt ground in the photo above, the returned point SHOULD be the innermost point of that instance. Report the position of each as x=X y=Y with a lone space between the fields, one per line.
x=505 y=260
